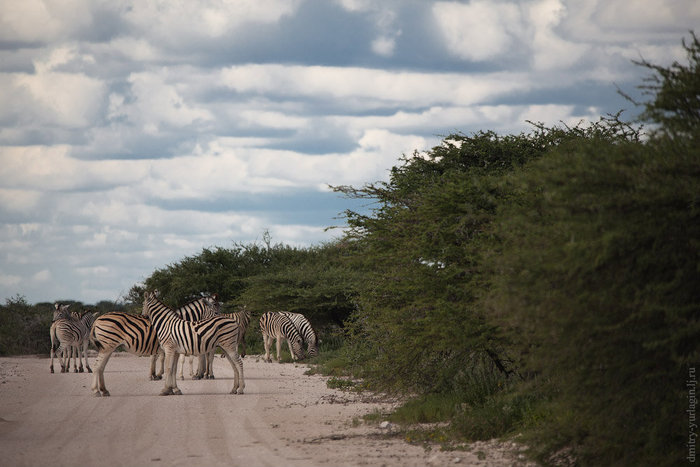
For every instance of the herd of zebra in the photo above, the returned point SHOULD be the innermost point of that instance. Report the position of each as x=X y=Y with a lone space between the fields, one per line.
x=195 y=329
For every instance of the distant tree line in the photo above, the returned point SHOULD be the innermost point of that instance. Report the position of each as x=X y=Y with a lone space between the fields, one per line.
x=543 y=284
x=24 y=328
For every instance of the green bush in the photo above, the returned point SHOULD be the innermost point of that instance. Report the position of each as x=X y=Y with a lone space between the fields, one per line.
x=595 y=283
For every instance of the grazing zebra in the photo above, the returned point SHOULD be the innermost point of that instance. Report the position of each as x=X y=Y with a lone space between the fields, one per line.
x=71 y=330
x=275 y=325
x=177 y=336
x=137 y=335
x=307 y=332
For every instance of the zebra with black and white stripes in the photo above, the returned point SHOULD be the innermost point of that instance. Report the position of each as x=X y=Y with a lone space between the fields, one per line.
x=86 y=319
x=306 y=330
x=138 y=336
x=177 y=337
x=197 y=313
x=60 y=312
x=243 y=319
x=71 y=330
x=274 y=325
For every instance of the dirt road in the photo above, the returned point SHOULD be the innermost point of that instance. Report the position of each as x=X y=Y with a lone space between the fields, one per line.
x=285 y=418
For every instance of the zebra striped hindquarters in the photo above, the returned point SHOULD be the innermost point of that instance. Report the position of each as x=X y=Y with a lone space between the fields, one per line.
x=197 y=310
x=192 y=338
x=307 y=332
x=114 y=329
x=243 y=319
x=59 y=312
x=274 y=325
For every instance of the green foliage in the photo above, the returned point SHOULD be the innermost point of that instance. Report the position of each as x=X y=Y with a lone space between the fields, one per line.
x=594 y=282
x=421 y=251
x=266 y=277
x=568 y=256
x=18 y=315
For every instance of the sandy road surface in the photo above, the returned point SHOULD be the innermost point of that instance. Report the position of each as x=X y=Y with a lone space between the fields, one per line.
x=285 y=418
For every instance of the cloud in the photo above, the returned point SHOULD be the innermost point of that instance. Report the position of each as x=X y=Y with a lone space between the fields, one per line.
x=384 y=46
x=620 y=21
x=480 y=29
x=206 y=19
x=371 y=88
x=36 y=21
x=42 y=276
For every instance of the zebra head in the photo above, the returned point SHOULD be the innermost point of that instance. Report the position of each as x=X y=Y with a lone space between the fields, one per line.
x=298 y=347
x=88 y=318
x=213 y=305
x=312 y=348
x=60 y=311
x=148 y=299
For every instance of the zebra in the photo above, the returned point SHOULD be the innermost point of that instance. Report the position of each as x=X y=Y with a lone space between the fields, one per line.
x=243 y=319
x=197 y=314
x=307 y=332
x=71 y=330
x=277 y=326
x=137 y=335
x=69 y=340
x=87 y=319
x=59 y=312
x=177 y=336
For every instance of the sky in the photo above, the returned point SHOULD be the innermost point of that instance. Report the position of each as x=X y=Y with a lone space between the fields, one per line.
x=134 y=133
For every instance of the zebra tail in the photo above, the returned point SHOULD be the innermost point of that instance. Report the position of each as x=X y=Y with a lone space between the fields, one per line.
x=94 y=340
x=55 y=344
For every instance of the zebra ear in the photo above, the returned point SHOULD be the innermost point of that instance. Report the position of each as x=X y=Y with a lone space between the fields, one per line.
x=215 y=296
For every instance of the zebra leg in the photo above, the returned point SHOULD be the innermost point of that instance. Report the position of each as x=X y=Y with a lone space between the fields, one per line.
x=98 y=378
x=237 y=365
x=161 y=358
x=52 y=355
x=267 y=341
x=168 y=390
x=78 y=351
x=190 y=359
x=201 y=367
x=170 y=374
x=291 y=350
x=210 y=364
x=159 y=354
x=153 y=367
x=52 y=333
x=85 y=352
x=64 y=357
x=72 y=351
x=175 y=390
x=279 y=348
x=182 y=368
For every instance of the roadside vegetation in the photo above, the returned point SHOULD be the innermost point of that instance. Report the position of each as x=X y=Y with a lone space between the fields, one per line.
x=542 y=286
